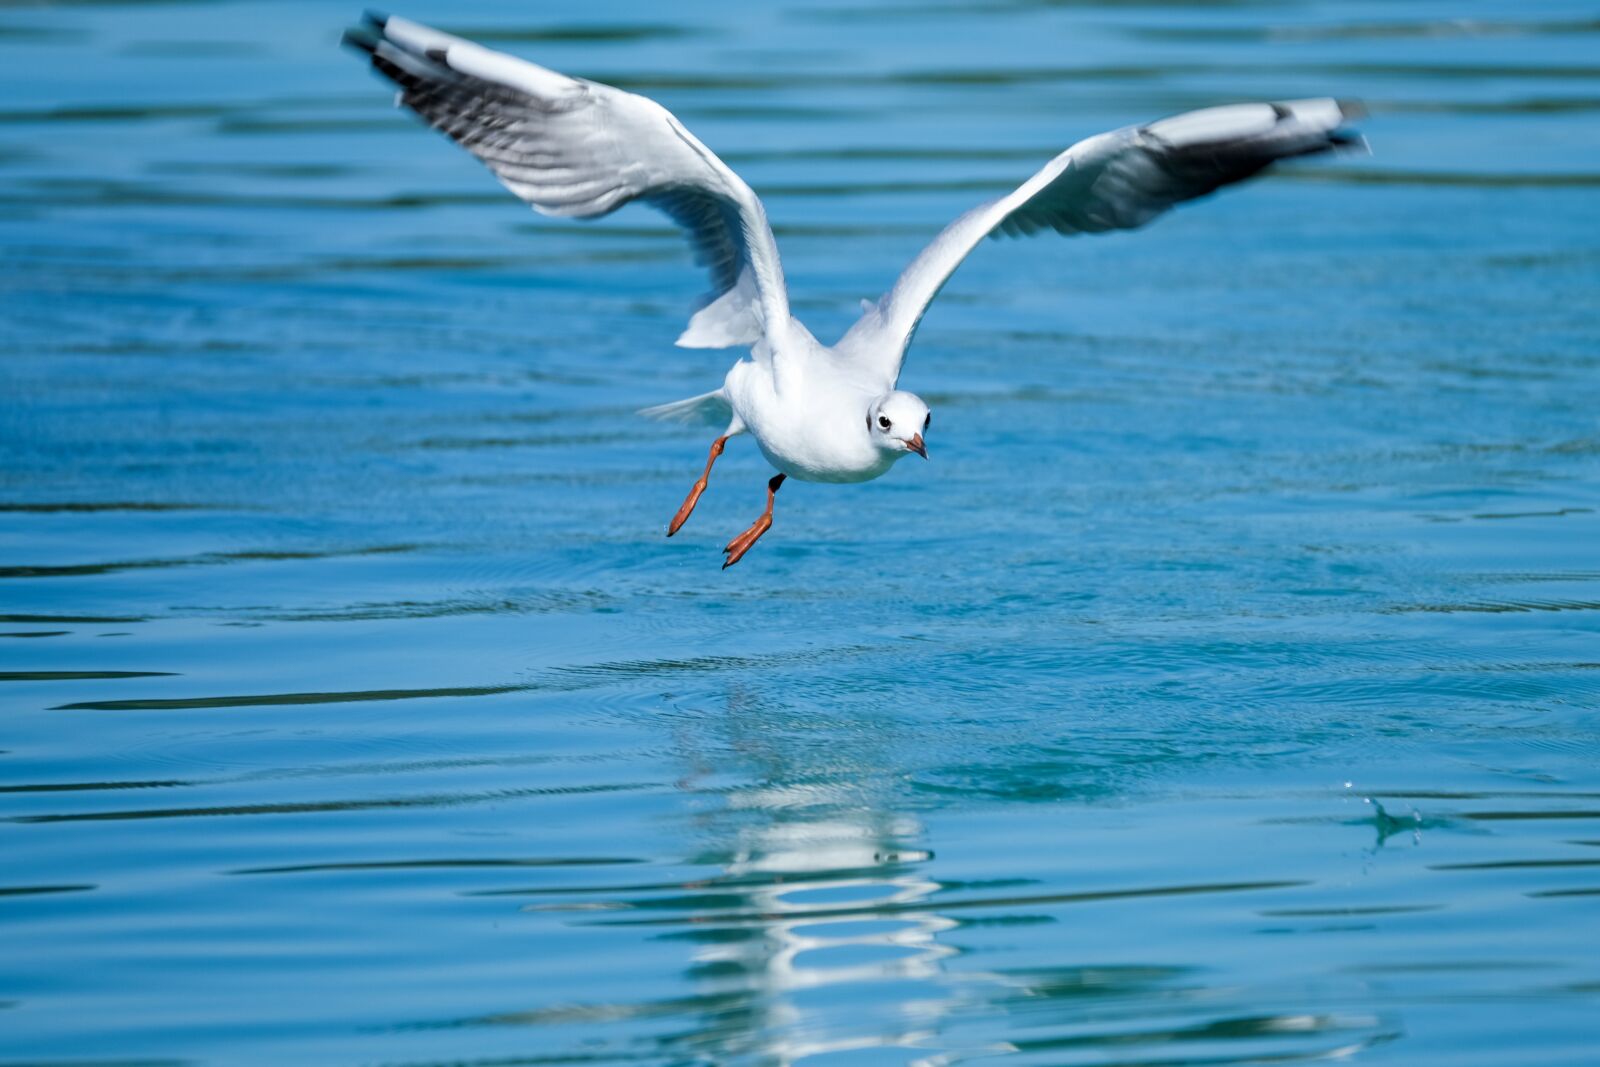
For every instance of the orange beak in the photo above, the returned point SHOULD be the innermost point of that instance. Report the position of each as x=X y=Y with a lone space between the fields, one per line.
x=916 y=445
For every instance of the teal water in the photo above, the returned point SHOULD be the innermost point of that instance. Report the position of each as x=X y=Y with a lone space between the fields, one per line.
x=1223 y=691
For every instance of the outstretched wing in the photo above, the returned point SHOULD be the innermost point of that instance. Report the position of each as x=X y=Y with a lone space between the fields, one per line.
x=1113 y=181
x=578 y=149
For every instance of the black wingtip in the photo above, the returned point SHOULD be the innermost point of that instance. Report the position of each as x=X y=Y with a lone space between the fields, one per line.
x=1347 y=140
x=360 y=39
x=1352 y=143
x=376 y=19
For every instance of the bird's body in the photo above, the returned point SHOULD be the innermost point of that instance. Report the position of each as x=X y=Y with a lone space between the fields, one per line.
x=818 y=413
x=808 y=411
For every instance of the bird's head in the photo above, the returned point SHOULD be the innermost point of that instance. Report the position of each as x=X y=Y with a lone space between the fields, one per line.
x=896 y=422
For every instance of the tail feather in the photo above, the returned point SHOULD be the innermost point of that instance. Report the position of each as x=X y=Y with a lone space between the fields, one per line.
x=707 y=409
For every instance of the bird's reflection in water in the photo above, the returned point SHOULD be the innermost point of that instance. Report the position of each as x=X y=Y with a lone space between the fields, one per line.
x=833 y=903
x=817 y=927
x=818 y=933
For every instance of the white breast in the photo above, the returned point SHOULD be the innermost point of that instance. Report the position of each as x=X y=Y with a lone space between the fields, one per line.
x=813 y=428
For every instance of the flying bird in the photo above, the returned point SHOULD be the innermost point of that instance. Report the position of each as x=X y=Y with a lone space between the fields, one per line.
x=578 y=149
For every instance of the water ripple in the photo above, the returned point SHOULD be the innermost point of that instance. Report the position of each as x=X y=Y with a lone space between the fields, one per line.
x=204 y=559
x=889 y=909
x=315 y=807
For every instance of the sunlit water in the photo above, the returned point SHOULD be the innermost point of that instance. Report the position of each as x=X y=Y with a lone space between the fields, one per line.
x=1223 y=691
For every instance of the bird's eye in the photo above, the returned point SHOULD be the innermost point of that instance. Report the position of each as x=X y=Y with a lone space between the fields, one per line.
x=927 y=422
x=883 y=420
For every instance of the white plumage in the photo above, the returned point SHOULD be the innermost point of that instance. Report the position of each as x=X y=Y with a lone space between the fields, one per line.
x=579 y=149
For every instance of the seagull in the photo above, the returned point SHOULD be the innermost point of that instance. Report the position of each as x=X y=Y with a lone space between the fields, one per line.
x=573 y=148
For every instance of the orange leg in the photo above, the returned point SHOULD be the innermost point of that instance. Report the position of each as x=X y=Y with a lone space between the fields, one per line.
x=741 y=544
x=699 y=487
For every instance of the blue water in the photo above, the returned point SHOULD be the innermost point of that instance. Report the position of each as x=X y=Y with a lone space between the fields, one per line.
x=1223 y=691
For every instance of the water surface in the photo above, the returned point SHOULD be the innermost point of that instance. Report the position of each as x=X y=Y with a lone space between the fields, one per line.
x=1222 y=692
